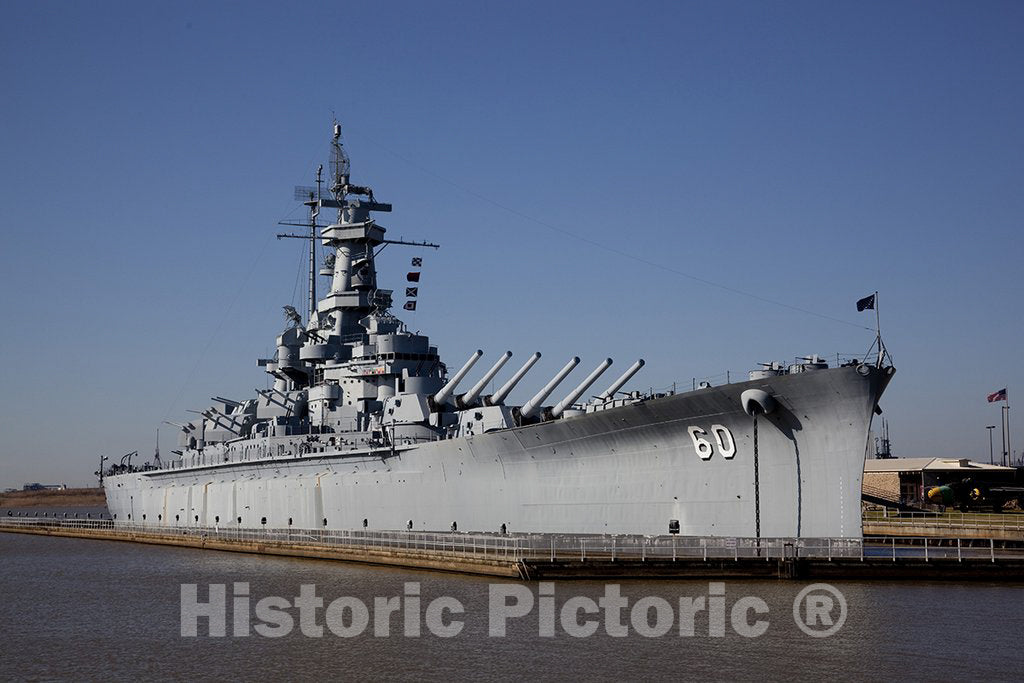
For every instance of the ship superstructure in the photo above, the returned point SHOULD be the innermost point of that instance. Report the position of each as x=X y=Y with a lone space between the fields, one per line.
x=364 y=427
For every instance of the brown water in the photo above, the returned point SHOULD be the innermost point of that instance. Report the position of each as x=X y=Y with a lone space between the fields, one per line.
x=89 y=610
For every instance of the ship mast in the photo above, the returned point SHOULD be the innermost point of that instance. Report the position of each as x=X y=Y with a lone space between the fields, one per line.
x=339 y=170
x=314 y=211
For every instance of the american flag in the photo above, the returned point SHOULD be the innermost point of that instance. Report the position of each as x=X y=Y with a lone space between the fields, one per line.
x=997 y=396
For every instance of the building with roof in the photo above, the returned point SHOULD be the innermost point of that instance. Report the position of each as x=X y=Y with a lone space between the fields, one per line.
x=907 y=480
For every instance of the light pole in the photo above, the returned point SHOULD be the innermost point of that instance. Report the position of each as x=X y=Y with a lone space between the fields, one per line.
x=990 y=428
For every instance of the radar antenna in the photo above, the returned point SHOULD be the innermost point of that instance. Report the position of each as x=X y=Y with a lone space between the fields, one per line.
x=311 y=196
x=339 y=165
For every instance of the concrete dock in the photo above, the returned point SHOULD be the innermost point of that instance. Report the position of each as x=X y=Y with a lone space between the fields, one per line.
x=546 y=556
x=491 y=560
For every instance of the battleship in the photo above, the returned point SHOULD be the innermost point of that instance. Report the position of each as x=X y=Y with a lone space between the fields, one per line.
x=363 y=427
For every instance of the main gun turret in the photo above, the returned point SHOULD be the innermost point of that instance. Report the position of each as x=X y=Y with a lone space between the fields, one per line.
x=532 y=407
x=448 y=389
x=501 y=394
x=469 y=398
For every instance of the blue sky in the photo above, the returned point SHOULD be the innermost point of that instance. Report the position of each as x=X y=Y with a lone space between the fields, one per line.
x=807 y=153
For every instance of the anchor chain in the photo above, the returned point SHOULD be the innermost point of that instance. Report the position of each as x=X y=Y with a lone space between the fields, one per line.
x=757 y=492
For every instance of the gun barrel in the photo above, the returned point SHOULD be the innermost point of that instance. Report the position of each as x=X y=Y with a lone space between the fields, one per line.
x=471 y=396
x=617 y=384
x=226 y=401
x=533 y=405
x=447 y=389
x=503 y=392
x=583 y=386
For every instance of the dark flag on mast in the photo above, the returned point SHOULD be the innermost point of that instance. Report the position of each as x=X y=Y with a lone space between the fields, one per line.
x=866 y=303
x=412 y=292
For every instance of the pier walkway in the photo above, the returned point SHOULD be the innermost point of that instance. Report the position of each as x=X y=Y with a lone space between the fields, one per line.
x=554 y=556
x=964 y=525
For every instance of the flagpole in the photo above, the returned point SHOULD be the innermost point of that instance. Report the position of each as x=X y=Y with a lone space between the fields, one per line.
x=878 y=331
x=1009 y=448
x=1002 y=412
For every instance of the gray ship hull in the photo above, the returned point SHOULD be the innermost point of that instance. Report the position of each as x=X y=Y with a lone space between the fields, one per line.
x=631 y=469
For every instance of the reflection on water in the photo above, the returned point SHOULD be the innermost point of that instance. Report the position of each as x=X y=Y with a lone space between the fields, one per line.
x=74 y=608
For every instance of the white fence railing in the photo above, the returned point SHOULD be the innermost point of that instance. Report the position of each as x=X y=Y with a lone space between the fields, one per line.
x=947 y=520
x=566 y=547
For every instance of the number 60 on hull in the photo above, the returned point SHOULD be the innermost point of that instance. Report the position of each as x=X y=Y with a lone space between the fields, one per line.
x=723 y=440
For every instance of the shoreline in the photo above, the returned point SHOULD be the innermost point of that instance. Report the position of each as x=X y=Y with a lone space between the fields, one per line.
x=56 y=498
